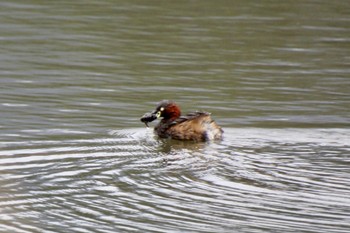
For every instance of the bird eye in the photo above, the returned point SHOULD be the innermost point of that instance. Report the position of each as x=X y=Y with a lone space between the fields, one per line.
x=161 y=109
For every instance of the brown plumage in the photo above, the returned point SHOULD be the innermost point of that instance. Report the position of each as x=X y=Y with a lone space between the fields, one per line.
x=197 y=126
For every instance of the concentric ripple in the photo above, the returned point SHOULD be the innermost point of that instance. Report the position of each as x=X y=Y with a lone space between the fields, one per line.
x=254 y=180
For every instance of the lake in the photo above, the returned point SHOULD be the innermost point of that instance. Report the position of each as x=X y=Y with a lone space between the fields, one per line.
x=76 y=76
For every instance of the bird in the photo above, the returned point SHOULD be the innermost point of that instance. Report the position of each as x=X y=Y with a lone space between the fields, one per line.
x=197 y=126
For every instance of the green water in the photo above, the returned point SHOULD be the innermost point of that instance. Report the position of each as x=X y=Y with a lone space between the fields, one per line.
x=76 y=76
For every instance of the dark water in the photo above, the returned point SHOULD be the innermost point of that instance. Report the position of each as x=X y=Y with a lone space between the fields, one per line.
x=77 y=75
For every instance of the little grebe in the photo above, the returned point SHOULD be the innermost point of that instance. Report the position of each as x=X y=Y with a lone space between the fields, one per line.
x=197 y=126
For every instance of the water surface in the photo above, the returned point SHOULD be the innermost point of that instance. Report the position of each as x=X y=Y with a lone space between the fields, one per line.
x=77 y=76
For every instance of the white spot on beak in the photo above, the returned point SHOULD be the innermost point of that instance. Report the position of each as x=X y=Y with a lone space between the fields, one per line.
x=159 y=113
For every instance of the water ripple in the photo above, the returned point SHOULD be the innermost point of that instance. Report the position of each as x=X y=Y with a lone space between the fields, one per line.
x=76 y=76
x=252 y=180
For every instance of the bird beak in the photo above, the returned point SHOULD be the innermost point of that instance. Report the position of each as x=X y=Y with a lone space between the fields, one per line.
x=148 y=117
